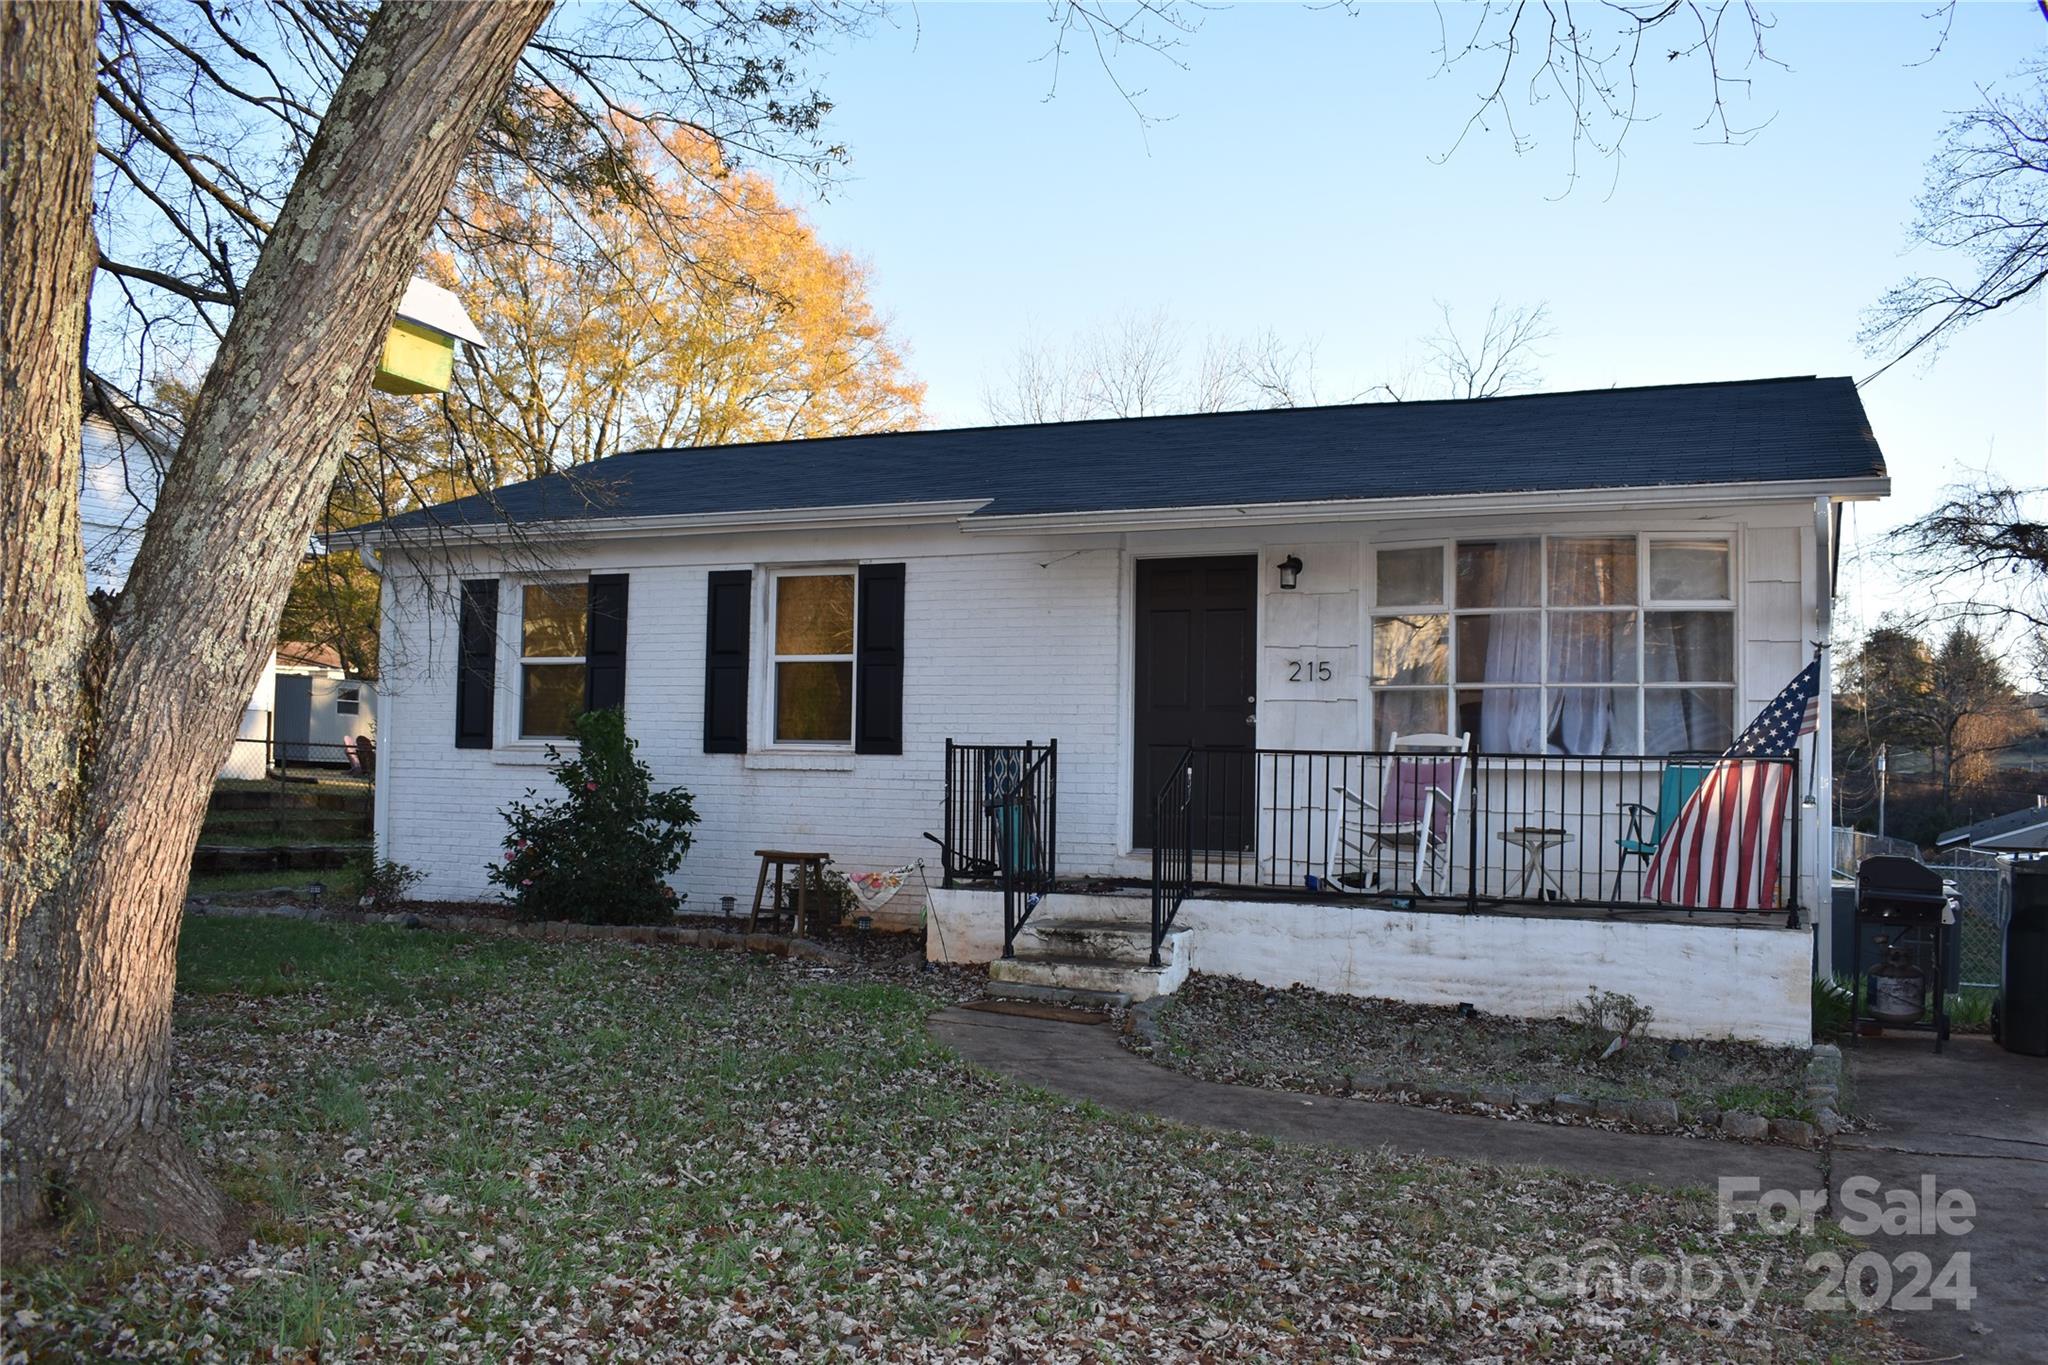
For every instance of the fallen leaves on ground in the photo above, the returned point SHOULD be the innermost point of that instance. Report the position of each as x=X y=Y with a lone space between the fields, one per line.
x=1223 y=1029
x=481 y=1149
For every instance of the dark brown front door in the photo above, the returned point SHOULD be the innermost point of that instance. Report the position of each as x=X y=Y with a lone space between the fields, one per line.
x=1197 y=623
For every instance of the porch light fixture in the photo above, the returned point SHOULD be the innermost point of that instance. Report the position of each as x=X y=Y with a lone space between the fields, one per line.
x=1290 y=572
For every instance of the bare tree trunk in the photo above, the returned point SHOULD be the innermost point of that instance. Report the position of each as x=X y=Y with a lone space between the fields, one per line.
x=114 y=729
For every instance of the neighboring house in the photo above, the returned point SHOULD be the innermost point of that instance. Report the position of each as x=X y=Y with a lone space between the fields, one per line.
x=2022 y=831
x=125 y=453
x=122 y=467
x=320 y=706
x=1223 y=621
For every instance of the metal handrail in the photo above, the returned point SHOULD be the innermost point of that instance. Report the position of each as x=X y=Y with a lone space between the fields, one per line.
x=1024 y=852
x=1001 y=824
x=1172 y=860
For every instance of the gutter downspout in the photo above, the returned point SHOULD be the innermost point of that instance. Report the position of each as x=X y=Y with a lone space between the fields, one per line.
x=1827 y=563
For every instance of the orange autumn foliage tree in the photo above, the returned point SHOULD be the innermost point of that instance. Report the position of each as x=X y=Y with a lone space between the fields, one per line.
x=702 y=311
x=673 y=302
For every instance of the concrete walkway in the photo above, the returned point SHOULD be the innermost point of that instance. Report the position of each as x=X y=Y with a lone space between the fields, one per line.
x=1975 y=1118
x=1087 y=1062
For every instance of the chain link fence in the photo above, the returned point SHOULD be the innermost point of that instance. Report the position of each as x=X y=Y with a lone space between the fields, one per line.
x=1983 y=883
x=1852 y=846
x=351 y=765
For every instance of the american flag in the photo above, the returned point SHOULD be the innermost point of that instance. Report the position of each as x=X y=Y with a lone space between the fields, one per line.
x=1726 y=846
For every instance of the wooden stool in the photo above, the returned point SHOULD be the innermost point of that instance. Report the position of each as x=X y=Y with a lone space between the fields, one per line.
x=779 y=859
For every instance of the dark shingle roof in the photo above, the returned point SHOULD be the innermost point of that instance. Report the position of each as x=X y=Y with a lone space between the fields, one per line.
x=1747 y=431
x=1997 y=825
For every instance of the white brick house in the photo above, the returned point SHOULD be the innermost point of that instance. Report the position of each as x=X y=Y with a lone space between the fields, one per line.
x=1580 y=583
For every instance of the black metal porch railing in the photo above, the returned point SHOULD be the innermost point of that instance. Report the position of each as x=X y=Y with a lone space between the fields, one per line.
x=1002 y=824
x=1478 y=828
x=1172 y=848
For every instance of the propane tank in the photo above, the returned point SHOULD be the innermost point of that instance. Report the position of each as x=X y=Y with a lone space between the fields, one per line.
x=1898 y=989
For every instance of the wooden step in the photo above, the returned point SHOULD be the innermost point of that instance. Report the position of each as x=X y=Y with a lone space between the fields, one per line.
x=212 y=858
x=283 y=797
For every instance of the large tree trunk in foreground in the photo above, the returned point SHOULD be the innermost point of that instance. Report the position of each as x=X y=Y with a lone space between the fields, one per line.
x=113 y=729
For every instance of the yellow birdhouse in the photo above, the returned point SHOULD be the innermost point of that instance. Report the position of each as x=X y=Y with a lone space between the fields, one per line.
x=419 y=350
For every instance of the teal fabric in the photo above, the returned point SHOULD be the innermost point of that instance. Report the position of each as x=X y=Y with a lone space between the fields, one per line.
x=1680 y=780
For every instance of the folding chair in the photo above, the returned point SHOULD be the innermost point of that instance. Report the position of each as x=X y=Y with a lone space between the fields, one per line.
x=1682 y=776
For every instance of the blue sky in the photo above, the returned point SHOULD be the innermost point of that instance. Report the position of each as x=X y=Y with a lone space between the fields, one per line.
x=1295 y=181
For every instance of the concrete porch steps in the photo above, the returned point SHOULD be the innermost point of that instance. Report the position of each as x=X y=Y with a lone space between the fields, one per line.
x=1101 y=961
x=1024 y=992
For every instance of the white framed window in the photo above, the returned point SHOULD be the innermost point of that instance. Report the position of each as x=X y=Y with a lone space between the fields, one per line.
x=1584 y=644
x=810 y=657
x=554 y=624
x=348 y=700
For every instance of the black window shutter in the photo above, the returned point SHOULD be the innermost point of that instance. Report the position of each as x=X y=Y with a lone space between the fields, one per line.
x=878 y=662
x=728 y=613
x=476 y=669
x=604 y=652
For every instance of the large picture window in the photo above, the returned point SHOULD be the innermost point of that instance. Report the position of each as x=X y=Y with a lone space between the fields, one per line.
x=813 y=638
x=1598 y=644
x=554 y=626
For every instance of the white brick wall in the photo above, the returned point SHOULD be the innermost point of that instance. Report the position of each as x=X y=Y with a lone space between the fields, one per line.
x=999 y=649
x=1008 y=639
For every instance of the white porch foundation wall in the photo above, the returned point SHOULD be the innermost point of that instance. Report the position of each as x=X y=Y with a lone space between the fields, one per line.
x=1703 y=981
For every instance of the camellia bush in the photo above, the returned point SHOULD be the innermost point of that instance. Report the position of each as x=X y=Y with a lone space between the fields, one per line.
x=601 y=852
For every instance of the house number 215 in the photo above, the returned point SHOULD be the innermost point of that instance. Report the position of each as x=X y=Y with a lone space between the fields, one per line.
x=1308 y=670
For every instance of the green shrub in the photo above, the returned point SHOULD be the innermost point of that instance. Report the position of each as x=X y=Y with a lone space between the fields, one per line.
x=382 y=884
x=1832 y=1003
x=1603 y=1015
x=828 y=897
x=601 y=852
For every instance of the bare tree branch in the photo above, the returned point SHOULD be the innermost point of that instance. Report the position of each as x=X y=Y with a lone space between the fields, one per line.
x=1986 y=200
x=1501 y=359
x=1578 y=64
x=1985 y=549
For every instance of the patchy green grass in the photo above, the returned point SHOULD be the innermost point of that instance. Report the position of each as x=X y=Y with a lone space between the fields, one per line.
x=488 y=1149
x=1299 y=1039
x=1969 y=1008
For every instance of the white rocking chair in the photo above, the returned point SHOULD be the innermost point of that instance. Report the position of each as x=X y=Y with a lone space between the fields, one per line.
x=1422 y=792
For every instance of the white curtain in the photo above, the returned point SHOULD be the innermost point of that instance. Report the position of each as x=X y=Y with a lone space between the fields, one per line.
x=1689 y=647
x=1586 y=647
x=1589 y=647
x=1510 y=718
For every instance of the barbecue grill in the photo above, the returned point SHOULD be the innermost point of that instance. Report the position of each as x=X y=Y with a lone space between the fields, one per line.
x=1906 y=899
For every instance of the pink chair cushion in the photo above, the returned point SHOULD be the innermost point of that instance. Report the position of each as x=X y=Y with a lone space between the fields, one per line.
x=1408 y=793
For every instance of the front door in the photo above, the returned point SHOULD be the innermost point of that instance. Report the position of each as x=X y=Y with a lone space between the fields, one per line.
x=1197 y=627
